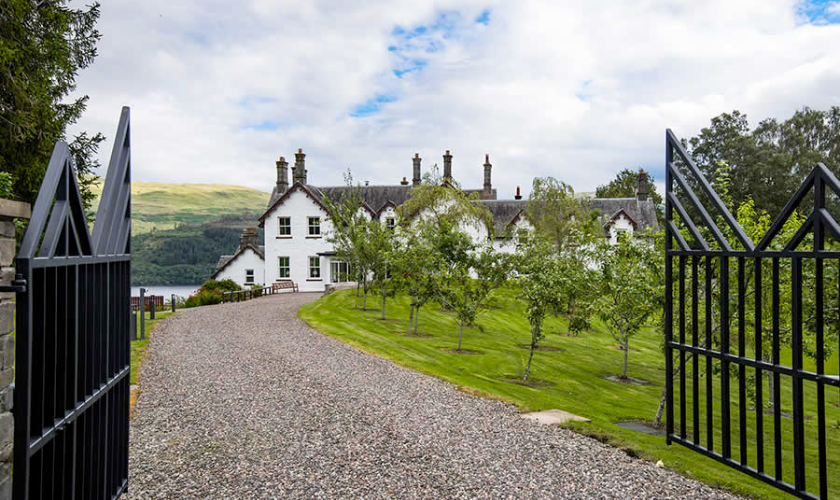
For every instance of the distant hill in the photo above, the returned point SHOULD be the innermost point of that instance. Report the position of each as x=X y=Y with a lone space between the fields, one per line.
x=180 y=230
x=158 y=206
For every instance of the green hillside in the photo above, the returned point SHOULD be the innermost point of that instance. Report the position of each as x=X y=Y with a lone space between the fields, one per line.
x=157 y=206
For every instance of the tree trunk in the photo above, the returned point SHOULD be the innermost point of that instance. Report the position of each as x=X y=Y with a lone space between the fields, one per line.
x=364 y=301
x=460 y=334
x=383 y=302
x=411 y=316
x=626 y=352
x=358 y=286
x=657 y=421
x=534 y=334
x=416 y=318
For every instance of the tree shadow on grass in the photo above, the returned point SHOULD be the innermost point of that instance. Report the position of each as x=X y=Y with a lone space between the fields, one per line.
x=465 y=351
x=533 y=383
x=542 y=348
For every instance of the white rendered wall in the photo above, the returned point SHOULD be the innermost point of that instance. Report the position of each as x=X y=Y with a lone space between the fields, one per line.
x=621 y=223
x=235 y=270
x=299 y=246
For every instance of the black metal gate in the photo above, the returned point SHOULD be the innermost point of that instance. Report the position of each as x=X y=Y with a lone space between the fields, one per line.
x=73 y=352
x=748 y=325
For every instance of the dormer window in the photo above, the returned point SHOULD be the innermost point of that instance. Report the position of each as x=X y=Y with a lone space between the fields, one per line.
x=390 y=222
x=314 y=226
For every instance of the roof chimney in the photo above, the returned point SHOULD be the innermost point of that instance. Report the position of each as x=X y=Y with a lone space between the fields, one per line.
x=282 y=175
x=249 y=237
x=642 y=188
x=404 y=182
x=416 y=160
x=299 y=172
x=518 y=196
x=447 y=166
x=488 y=186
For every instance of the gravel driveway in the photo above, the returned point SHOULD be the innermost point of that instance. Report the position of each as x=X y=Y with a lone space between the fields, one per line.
x=246 y=401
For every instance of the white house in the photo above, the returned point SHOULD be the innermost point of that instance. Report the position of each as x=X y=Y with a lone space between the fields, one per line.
x=296 y=224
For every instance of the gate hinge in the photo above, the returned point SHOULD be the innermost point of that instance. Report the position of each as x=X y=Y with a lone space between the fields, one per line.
x=18 y=285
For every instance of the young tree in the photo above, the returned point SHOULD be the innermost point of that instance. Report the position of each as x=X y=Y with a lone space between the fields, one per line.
x=43 y=46
x=465 y=284
x=541 y=279
x=379 y=251
x=414 y=267
x=350 y=234
x=628 y=290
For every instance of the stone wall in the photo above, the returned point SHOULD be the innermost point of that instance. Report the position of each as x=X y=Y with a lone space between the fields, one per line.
x=9 y=210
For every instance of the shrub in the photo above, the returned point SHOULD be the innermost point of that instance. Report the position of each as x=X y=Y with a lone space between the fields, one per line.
x=204 y=297
x=227 y=285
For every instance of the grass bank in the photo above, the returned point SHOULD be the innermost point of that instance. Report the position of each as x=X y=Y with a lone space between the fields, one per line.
x=139 y=351
x=574 y=377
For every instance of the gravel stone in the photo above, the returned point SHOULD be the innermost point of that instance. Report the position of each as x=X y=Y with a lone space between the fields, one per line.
x=244 y=400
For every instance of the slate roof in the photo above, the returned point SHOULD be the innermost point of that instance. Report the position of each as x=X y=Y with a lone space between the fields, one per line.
x=377 y=198
x=224 y=260
x=642 y=212
x=504 y=213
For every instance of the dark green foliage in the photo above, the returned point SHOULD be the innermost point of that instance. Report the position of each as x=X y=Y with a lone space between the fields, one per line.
x=768 y=163
x=182 y=256
x=624 y=186
x=203 y=298
x=227 y=285
x=43 y=45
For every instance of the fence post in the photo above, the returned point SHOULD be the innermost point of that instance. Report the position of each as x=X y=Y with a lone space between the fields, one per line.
x=133 y=323
x=152 y=307
x=173 y=302
x=142 y=314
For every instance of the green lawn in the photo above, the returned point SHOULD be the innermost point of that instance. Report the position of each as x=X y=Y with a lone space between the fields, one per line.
x=138 y=347
x=573 y=380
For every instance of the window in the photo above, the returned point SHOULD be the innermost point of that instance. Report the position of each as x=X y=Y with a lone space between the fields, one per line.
x=315 y=267
x=314 y=226
x=283 y=267
x=390 y=222
x=339 y=272
x=249 y=276
x=284 y=226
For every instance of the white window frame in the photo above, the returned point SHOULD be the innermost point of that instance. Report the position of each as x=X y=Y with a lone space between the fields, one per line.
x=336 y=271
x=281 y=267
x=284 y=227
x=316 y=268
x=314 y=229
x=251 y=281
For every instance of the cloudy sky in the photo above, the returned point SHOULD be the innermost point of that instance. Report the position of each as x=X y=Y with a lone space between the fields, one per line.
x=577 y=90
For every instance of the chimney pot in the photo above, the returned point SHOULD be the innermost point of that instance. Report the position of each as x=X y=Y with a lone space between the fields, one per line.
x=447 y=166
x=518 y=195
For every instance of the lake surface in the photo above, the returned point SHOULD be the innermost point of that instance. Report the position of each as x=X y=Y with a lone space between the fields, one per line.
x=166 y=290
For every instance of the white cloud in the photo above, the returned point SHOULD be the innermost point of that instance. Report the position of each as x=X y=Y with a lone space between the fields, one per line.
x=577 y=90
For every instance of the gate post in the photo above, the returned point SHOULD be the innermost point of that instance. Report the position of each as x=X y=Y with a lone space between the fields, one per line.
x=173 y=302
x=9 y=210
x=152 y=307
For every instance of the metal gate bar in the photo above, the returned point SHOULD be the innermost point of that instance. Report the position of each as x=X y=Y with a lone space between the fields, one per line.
x=741 y=256
x=73 y=351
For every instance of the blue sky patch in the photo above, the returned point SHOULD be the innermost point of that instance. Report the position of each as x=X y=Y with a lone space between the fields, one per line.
x=264 y=126
x=371 y=106
x=820 y=11
x=483 y=18
x=250 y=101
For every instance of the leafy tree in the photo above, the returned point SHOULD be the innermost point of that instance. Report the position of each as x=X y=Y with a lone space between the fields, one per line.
x=555 y=214
x=772 y=159
x=380 y=248
x=625 y=185
x=541 y=278
x=350 y=234
x=43 y=46
x=414 y=268
x=628 y=290
x=464 y=284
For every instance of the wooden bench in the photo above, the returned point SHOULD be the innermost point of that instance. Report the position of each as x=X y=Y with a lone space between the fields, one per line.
x=283 y=285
